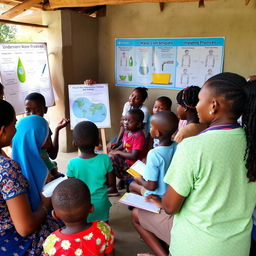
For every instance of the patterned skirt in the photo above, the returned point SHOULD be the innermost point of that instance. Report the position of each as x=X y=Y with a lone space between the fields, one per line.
x=12 y=244
x=120 y=167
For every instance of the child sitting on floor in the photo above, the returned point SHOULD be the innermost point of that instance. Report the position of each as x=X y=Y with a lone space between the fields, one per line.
x=131 y=150
x=95 y=170
x=135 y=100
x=187 y=100
x=35 y=105
x=72 y=204
x=163 y=125
x=149 y=225
x=162 y=103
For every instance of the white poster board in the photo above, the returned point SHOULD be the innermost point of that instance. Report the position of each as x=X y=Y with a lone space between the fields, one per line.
x=24 y=68
x=169 y=63
x=89 y=103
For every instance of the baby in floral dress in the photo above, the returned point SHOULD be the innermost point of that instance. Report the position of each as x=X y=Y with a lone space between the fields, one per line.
x=72 y=204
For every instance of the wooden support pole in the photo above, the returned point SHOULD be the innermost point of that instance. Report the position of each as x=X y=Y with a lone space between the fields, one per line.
x=104 y=142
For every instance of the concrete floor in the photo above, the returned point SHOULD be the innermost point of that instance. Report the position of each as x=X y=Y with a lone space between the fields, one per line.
x=127 y=241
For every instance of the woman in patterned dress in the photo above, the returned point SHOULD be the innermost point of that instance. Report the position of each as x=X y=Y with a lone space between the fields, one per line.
x=22 y=231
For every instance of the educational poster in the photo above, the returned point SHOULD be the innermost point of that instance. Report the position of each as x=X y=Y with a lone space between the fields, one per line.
x=195 y=65
x=24 y=69
x=89 y=103
x=167 y=63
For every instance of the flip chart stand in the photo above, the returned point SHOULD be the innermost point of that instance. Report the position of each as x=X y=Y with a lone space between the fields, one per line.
x=103 y=139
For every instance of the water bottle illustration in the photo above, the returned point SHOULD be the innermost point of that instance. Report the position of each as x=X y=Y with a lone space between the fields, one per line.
x=143 y=66
x=21 y=72
x=130 y=61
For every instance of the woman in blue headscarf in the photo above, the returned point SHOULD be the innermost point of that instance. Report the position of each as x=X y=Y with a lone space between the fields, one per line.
x=32 y=133
x=23 y=230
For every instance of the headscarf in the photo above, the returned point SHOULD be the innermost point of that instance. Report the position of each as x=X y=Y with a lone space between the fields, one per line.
x=32 y=132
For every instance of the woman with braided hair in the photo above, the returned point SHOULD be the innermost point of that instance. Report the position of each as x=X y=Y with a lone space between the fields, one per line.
x=212 y=190
x=252 y=80
x=187 y=100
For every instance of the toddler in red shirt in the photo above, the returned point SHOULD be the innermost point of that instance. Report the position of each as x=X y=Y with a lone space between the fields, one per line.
x=72 y=203
x=132 y=148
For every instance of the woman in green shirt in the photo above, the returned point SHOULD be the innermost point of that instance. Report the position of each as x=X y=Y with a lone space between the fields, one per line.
x=211 y=180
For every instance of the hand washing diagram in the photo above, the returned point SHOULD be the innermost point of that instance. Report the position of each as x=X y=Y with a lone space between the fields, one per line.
x=186 y=59
x=196 y=64
x=167 y=63
x=184 y=78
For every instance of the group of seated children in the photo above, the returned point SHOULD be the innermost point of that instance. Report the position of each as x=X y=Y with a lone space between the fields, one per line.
x=153 y=228
x=99 y=171
x=82 y=201
x=83 y=222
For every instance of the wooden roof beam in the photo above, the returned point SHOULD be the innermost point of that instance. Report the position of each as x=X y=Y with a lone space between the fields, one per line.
x=23 y=23
x=55 y=4
x=18 y=9
x=10 y=2
x=15 y=2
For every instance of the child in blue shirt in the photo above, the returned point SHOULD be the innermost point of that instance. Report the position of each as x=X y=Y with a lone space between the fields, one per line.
x=163 y=125
x=152 y=226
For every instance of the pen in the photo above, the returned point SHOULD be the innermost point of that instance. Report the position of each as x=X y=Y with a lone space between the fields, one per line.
x=43 y=69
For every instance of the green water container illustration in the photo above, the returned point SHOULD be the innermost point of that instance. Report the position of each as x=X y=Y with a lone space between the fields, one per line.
x=21 y=72
x=130 y=61
x=129 y=77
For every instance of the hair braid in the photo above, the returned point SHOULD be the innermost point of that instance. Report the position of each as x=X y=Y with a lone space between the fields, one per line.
x=242 y=94
x=249 y=124
x=188 y=98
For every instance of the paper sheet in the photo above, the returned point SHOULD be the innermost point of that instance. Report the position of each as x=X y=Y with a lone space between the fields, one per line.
x=137 y=169
x=49 y=187
x=139 y=202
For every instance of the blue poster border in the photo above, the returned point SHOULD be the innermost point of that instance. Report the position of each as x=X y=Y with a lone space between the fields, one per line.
x=166 y=42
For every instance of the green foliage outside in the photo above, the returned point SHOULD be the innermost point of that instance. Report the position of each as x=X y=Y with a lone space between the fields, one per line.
x=7 y=33
x=24 y=38
x=12 y=34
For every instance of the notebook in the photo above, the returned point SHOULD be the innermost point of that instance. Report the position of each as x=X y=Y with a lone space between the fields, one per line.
x=138 y=202
x=137 y=169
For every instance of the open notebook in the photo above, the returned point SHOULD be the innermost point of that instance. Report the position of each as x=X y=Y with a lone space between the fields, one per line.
x=49 y=187
x=138 y=202
x=137 y=169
